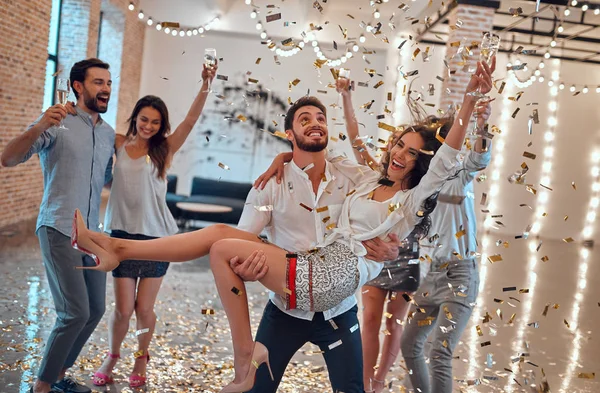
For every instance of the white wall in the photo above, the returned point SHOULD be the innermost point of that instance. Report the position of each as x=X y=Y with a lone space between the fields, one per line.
x=180 y=61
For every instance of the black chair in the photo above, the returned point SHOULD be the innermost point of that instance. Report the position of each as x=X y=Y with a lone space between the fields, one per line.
x=173 y=198
x=216 y=192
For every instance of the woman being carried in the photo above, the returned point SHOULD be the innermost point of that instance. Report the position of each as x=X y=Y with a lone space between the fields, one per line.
x=339 y=266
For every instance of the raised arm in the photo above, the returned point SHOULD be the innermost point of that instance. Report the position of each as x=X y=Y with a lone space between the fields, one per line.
x=178 y=137
x=36 y=138
x=359 y=148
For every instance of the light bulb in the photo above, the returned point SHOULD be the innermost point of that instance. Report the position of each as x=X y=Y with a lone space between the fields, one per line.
x=376 y=14
x=158 y=27
x=585 y=7
x=561 y=86
x=301 y=44
x=315 y=43
x=550 y=83
x=560 y=28
x=567 y=11
x=258 y=26
x=150 y=21
x=547 y=55
x=349 y=55
x=597 y=11
x=263 y=35
x=200 y=30
x=316 y=49
x=174 y=32
x=167 y=30
x=369 y=28
x=541 y=79
x=131 y=7
x=553 y=43
x=573 y=3
x=215 y=21
x=537 y=72
x=195 y=32
x=344 y=59
x=188 y=33
x=253 y=14
x=141 y=14
x=362 y=38
x=572 y=88
x=248 y=2
x=598 y=89
x=585 y=90
x=181 y=33
x=542 y=65
x=319 y=54
x=355 y=48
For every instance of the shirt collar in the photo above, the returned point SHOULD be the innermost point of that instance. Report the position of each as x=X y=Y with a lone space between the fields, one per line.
x=87 y=118
x=302 y=173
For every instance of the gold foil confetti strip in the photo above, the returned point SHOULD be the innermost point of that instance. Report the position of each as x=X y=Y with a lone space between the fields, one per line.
x=378 y=84
x=545 y=258
x=448 y=313
x=393 y=207
x=495 y=258
x=252 y=80
x=322 y=209
x=330 y=226
x=387 y=332
x=306 y=207
x=207 y=311
x=567 y=324
x=333 y=324
x=524 y=290
x=388 y=315
x=515 y=113
x=326 y=219
x=386 y=127
x=170 y=25
x=241 y=117
x=545 y=312
x=568 y=240
x=237 y=291
x=460 y=233
x=287 y=290
x=223 y=166
x=425 y=322
x=485 y=343
x=479 y=331
x=280 y=134
x=527 y=154
x=574 y=186
x=257 y=61
x=512 y=318
x=586 y=375
x=273 y=17
x=350 y=193
x=445 y=344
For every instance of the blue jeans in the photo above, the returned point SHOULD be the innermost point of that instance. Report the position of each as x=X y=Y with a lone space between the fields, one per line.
x=284 y=335
x=79 y=300
x=448 y=308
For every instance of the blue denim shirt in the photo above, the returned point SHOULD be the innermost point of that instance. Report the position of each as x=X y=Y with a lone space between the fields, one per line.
x=76 y=164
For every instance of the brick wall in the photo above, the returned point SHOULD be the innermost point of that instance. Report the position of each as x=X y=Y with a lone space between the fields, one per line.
x=23 y=53
x=475 y=21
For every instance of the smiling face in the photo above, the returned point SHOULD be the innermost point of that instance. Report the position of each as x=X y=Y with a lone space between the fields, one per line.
x=147 y=122
x=309 y=129
x=95 y=89
x=403 y=156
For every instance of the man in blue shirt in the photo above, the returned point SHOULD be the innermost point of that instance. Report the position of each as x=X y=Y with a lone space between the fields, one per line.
x=76 y=163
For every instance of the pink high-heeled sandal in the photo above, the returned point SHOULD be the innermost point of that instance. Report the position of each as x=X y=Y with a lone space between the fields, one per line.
x=100 y=379
x=136 y=381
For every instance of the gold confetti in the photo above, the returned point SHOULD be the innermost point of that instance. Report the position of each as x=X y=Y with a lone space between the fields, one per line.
x=515 y=113
x=527 y=154
x=386 y=127
x=237 y=291
x=586 y=375
x=350 y=193
x=479 y=331
x=567 y=323
x=393 y=207
x=448 y=313
x=574 y=186
x=170 y=24
x=252 y=80
x=306 y=207
x=512 y=318
x=242 y=117
x=568 y=240
x=545 y=259
x=445 y=344
x=388 y=315
x=330 y=226
x=425 y=322
x=322 y=209
x=415 y=53
x=566 y=218
x=485 y=343
x=280 y=134
x=378 y=84
x=223 y=166
x=460 y=233
x=257 y=61
x=207 y=311
x=495 y=258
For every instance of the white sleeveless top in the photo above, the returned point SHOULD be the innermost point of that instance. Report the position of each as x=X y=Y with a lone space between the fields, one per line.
x=138 y=202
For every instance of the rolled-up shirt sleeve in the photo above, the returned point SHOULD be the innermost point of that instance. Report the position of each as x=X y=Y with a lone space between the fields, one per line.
x=442 y=166
x=256 y=215
x=473 y=163
x=45 y=140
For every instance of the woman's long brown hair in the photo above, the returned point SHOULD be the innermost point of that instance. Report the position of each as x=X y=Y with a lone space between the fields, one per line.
x=158 y=147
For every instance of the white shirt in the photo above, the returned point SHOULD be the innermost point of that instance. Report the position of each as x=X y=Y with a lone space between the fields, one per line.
x=293 y=227
x=356 y=224
x=454 y=214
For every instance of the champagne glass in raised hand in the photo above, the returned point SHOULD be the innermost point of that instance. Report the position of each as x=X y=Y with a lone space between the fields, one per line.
x=488 y=49
x=343 y=73
x=210 y=60
x=62 y=95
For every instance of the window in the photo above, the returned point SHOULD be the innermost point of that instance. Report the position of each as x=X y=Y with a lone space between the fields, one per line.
x=52 y=62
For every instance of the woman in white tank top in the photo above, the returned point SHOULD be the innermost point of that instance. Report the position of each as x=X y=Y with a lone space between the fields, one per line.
x=137 y=209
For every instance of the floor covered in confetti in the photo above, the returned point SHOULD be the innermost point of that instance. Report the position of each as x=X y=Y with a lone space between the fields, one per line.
x=537 y=329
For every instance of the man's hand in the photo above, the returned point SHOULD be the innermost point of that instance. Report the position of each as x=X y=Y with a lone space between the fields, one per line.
x=342 y=86
x=208 y=73
x=276 y=169
x=70 y=108
x=53 y=116
x=253 y=268
x=380 y=251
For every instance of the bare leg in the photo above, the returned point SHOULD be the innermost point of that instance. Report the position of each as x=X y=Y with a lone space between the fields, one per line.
x=236 y=305
x=145 y=318
x=182 y=247
x=391 y=343
x=119 y=320
x=373 y=299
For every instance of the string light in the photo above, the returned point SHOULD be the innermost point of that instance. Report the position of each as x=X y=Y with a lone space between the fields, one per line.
x=547 y=55
x=567 y=11
x=131 y=7
x=585 y=90
x=560 y=28
x=597 y=11
x=585 y=7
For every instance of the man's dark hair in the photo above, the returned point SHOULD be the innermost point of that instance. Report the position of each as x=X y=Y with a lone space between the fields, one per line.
x=304 y=101
x=79 y=71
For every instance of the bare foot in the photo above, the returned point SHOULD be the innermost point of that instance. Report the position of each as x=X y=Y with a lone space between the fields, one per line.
x=108 y=365
x=139 y=367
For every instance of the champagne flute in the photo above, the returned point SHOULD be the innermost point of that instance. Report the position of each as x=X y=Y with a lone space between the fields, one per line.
x=210 y=60
x=343 y=73
x=62 y=95
x=488 y=49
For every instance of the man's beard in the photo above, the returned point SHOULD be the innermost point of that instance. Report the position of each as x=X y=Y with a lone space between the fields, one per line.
x=92 y=103
x=311 y=147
